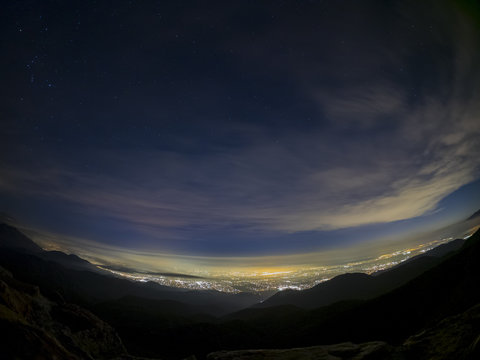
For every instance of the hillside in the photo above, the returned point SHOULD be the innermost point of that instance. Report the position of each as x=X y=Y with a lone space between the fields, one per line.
x=474 y=215
x=455 y=337
x=34 y=327
x=79 y=281
x=11 y=238
x=144 y=313
x=361 y=286
x=447 y=289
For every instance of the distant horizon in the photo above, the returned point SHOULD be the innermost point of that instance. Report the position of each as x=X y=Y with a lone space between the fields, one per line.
x=237 y=274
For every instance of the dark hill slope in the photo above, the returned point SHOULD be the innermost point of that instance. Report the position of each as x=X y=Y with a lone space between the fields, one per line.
x=362 y=286
x=448 y=289
x=86 y=287
x=474 y=215
x=445 y=290
x=11 y=238
x=78 y=281
x=346 y=286
x=455 y=337
x=73 y=285
x=34 y=327
x=150 y=328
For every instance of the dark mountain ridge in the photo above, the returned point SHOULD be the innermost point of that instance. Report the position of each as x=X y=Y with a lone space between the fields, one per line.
x=155 y=326
x=79 y=281
x=11 y=238
x=34 y=327
x=474 y=215
x=287 y=326
x=361 y=286
x=447 y=289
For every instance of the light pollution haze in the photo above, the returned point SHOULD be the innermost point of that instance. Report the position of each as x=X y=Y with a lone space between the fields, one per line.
x=252 y=136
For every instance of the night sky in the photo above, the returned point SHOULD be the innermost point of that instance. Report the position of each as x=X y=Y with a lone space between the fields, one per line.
x=238 y=128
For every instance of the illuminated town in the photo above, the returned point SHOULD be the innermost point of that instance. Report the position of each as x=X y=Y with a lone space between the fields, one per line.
x=271 y=280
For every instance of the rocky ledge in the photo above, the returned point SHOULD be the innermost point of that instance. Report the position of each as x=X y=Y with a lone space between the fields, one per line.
x=34 y=327
x=369 y=350
x=455 y=337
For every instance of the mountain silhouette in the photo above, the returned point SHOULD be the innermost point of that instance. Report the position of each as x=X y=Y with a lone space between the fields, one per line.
x=79 y=281
x=359 y=285
x=11 y=238
x=431 y=294
x=35 y=327
x=474 y=215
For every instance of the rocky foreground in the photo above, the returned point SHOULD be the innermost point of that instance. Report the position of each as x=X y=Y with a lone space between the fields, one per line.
x=34 y=327
x=37 y=327
x=445 y=298
x=456 y=337
x=376 y=349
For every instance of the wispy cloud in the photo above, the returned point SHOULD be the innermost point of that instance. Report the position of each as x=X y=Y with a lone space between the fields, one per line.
x=387 y=151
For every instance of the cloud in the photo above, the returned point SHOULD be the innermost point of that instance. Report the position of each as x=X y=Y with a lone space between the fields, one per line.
x=299 y=185
x=385 y=151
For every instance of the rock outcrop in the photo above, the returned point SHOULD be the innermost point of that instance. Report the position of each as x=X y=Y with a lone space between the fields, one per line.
x=455 y=337
x=348 y=350
x=35 y=327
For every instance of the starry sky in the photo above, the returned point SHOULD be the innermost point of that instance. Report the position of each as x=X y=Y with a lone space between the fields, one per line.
x=238 y=128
